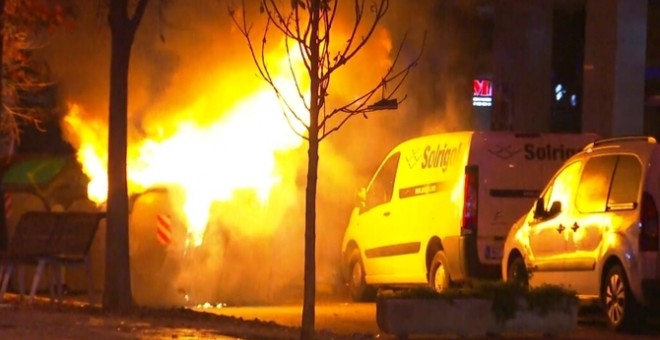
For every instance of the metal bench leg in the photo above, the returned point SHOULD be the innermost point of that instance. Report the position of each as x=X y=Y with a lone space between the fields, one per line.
x=37 y=278
x=58 y=280
x=90 y=279
x=21 y=280
x=6 y=274
x=53 y=287
x=2 y=281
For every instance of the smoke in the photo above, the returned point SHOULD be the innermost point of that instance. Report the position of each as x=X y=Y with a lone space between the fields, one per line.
x=191 y=55
x=440 y=90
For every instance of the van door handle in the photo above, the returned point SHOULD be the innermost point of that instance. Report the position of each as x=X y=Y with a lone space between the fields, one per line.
x=387 y=213
x=560 y=228
x=575 y=226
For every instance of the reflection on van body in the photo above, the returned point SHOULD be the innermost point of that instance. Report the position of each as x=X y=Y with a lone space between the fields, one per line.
x=595 y=229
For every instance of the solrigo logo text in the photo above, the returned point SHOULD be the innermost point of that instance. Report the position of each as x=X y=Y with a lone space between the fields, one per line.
x=441 y=156
x=549 y=152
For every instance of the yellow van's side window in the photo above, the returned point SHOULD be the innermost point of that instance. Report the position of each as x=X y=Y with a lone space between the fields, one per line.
x=382 y=185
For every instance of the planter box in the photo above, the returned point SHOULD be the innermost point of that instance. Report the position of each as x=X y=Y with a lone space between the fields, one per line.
x=470 y=317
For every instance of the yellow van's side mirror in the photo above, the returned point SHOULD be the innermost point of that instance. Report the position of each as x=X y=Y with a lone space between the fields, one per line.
x=541 y=214
x=361 y=197
x=555 y=209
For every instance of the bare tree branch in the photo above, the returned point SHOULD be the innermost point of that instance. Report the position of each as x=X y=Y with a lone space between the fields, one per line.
x=305 y=52
x=290 y=26
x=294 y=76
x=286 y=108
x=262 y=64
x=348 y=53
x=360 y=105
x=280 y=21
x=139 y=13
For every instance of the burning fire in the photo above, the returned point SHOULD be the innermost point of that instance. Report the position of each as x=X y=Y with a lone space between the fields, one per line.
x=208 y=162
x=234 y=147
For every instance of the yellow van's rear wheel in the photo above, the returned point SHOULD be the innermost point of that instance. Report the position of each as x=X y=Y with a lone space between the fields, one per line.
x=357 y=285
x=439 y=276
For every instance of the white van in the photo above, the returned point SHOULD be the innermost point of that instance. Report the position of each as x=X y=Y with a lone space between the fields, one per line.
x=439 y=207
x=594 y=229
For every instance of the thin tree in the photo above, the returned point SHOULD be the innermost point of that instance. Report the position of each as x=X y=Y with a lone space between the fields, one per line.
x=306 y=26
x=117 y=292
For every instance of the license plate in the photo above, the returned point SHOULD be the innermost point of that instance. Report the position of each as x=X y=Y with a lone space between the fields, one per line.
x=493 y=253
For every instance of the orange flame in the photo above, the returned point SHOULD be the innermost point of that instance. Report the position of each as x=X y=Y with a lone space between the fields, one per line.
x=232 y=150
x=210 y=162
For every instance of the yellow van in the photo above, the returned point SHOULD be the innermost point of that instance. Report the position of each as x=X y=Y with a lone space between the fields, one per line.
x=438 y=209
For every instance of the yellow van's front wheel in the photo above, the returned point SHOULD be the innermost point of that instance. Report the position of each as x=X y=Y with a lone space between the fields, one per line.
x=357 y=285
x=439 y=276
x=517 y=272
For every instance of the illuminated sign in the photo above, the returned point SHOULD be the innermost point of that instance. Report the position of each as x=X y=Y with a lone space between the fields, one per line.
x=483 y=93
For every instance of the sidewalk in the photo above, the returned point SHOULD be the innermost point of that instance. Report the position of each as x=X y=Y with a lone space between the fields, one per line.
x=74 y=320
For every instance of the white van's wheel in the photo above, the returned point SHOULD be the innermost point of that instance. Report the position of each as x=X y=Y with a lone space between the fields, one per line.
x=621 y=308
x=439 y=276
x=357 y=285
x=517 y=272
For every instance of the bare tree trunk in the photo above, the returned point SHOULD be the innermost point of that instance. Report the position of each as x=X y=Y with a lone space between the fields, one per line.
x=117 y=279
x=3 y=224
x=2 y=51
x=117 y=291
x=310 y=241
x=309 y=299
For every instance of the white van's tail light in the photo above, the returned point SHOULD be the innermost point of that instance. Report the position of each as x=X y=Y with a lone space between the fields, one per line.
x=648 y=237
x=470 y=200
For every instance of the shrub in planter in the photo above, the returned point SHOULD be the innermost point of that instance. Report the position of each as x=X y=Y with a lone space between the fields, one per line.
x=477 y=309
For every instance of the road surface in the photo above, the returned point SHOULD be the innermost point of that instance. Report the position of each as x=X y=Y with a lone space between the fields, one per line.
x=360 y=318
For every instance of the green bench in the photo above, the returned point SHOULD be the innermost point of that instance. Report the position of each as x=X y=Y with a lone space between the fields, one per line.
x=49 y=241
